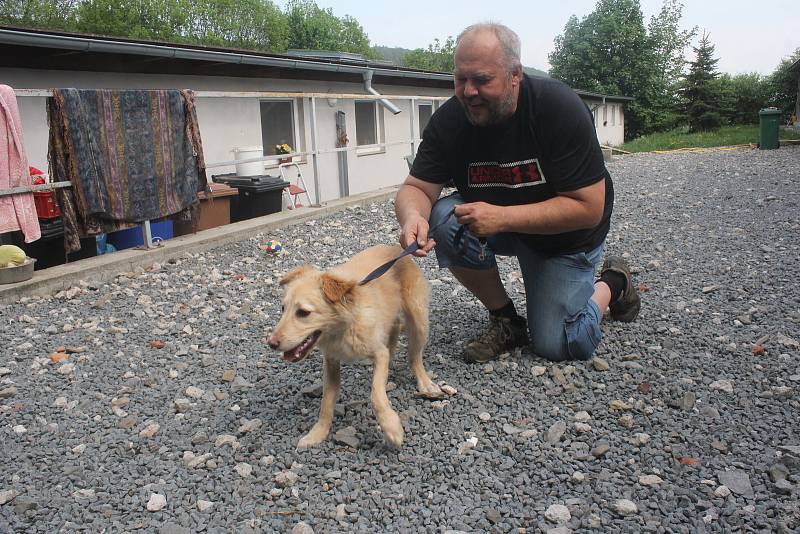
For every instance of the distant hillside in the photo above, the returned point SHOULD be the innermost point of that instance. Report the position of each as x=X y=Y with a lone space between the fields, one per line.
x=395 y=55
x=533 y=71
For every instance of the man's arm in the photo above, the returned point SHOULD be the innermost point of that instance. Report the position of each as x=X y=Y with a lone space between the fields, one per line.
x=412 y=206
x=566 y=212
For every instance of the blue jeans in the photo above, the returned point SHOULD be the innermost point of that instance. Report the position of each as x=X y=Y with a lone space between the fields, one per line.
x=563 y=320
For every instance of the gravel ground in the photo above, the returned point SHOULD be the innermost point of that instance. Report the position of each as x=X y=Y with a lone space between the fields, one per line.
x=166 y=412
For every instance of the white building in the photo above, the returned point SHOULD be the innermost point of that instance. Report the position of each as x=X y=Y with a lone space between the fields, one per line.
x=247 y=99
x=609 y=116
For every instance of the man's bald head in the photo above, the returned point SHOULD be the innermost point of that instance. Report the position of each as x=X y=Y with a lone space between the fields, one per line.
x=505 y=38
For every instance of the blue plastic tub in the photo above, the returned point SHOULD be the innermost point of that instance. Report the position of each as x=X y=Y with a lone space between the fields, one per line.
x=132 y=237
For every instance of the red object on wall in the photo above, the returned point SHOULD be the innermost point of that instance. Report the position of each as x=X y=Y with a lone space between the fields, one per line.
x=46 y=207
x=45 y=201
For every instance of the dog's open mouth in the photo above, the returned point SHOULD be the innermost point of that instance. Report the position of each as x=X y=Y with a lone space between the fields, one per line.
x=301 y=351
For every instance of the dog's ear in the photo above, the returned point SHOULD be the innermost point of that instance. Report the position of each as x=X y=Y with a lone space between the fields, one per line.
x=336 y=289
x=295 y=273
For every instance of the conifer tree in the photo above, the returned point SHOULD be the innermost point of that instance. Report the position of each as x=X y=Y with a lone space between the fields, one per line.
x=700 y=91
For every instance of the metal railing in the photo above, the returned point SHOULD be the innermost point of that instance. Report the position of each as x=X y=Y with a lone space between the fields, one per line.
x=314 y=153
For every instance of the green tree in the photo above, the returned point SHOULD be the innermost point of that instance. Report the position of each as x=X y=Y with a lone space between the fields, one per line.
x=437 y=57
x=139 y=19
x=741 y=97
x=700 y=91
x=668 y=43
x=608 y=52
x=44 y=14
x=314 y=28
x=353 y=38
x=245 y=24
x=783 y=85
x=570 y=60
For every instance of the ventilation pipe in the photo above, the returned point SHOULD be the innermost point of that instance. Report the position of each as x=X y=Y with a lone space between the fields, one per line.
x=368 y=87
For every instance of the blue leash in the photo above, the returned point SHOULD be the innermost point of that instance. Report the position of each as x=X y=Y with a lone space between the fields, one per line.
x=410 y=249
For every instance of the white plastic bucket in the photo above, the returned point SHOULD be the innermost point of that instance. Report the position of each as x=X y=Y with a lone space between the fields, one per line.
x=254 y=168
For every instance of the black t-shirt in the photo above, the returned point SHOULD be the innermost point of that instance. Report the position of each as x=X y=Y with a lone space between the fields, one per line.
x=548 y=147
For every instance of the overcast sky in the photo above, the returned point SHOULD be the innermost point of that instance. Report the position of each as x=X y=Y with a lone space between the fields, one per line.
x=748 y=35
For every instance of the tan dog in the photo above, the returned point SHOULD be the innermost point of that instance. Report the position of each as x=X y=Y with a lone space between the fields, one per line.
x=352 y=322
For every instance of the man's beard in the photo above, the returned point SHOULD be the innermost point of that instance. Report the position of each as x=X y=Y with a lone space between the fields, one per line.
x=497 y=111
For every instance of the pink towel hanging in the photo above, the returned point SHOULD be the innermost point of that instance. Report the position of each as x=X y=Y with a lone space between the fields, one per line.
x=17 y=212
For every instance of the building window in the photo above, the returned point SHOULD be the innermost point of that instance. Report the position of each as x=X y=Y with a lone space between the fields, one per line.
x=366 y=123
x=605 y=114
x=278 y=126
x=613 y=115
x=369 y=127
x=424 y=111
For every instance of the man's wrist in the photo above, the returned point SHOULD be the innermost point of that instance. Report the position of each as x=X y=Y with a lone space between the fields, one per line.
x=505 y=223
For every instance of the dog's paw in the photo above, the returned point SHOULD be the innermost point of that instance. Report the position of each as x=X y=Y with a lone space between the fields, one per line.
x=312 y=439
x=394 y=436
x=306 y=442
x=393 y=429
x=430 y=391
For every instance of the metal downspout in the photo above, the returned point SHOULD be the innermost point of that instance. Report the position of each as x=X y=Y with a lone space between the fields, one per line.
x=368 y=87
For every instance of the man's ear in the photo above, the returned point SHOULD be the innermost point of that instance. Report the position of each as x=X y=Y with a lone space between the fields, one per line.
x=516 y=74
x=336 y=289
x=295 y=273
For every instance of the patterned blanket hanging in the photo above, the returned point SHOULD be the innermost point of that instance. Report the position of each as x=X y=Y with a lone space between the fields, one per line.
x=131 y=155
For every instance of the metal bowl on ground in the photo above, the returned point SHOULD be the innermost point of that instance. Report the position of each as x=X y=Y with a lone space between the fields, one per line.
x=17 y=273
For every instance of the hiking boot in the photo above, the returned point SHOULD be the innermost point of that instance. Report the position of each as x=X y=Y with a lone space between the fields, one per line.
x=627 y=305
x=502 y=335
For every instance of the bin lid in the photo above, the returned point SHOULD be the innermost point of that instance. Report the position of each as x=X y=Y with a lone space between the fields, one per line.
x=261 y=187
x=770 y=111
x=233 y=180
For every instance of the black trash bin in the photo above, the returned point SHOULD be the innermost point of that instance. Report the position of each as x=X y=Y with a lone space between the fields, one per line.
x=258 y=195
x=49 y=248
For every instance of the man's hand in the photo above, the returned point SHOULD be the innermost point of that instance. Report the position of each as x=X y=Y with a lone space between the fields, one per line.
x=482 y=219
x=412 y=206
x=416 y=229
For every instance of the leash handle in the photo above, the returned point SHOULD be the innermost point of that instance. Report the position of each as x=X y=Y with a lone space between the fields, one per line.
x=410 y=249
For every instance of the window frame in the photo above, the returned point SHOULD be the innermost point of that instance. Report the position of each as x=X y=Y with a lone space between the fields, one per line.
x=421 y=103
x=297 y=141
x=377 y=147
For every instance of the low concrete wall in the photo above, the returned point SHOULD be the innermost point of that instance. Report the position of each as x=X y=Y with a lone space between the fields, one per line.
x=107 y=266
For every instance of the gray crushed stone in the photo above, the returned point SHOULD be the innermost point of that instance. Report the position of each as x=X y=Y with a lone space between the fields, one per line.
x=699 y=392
